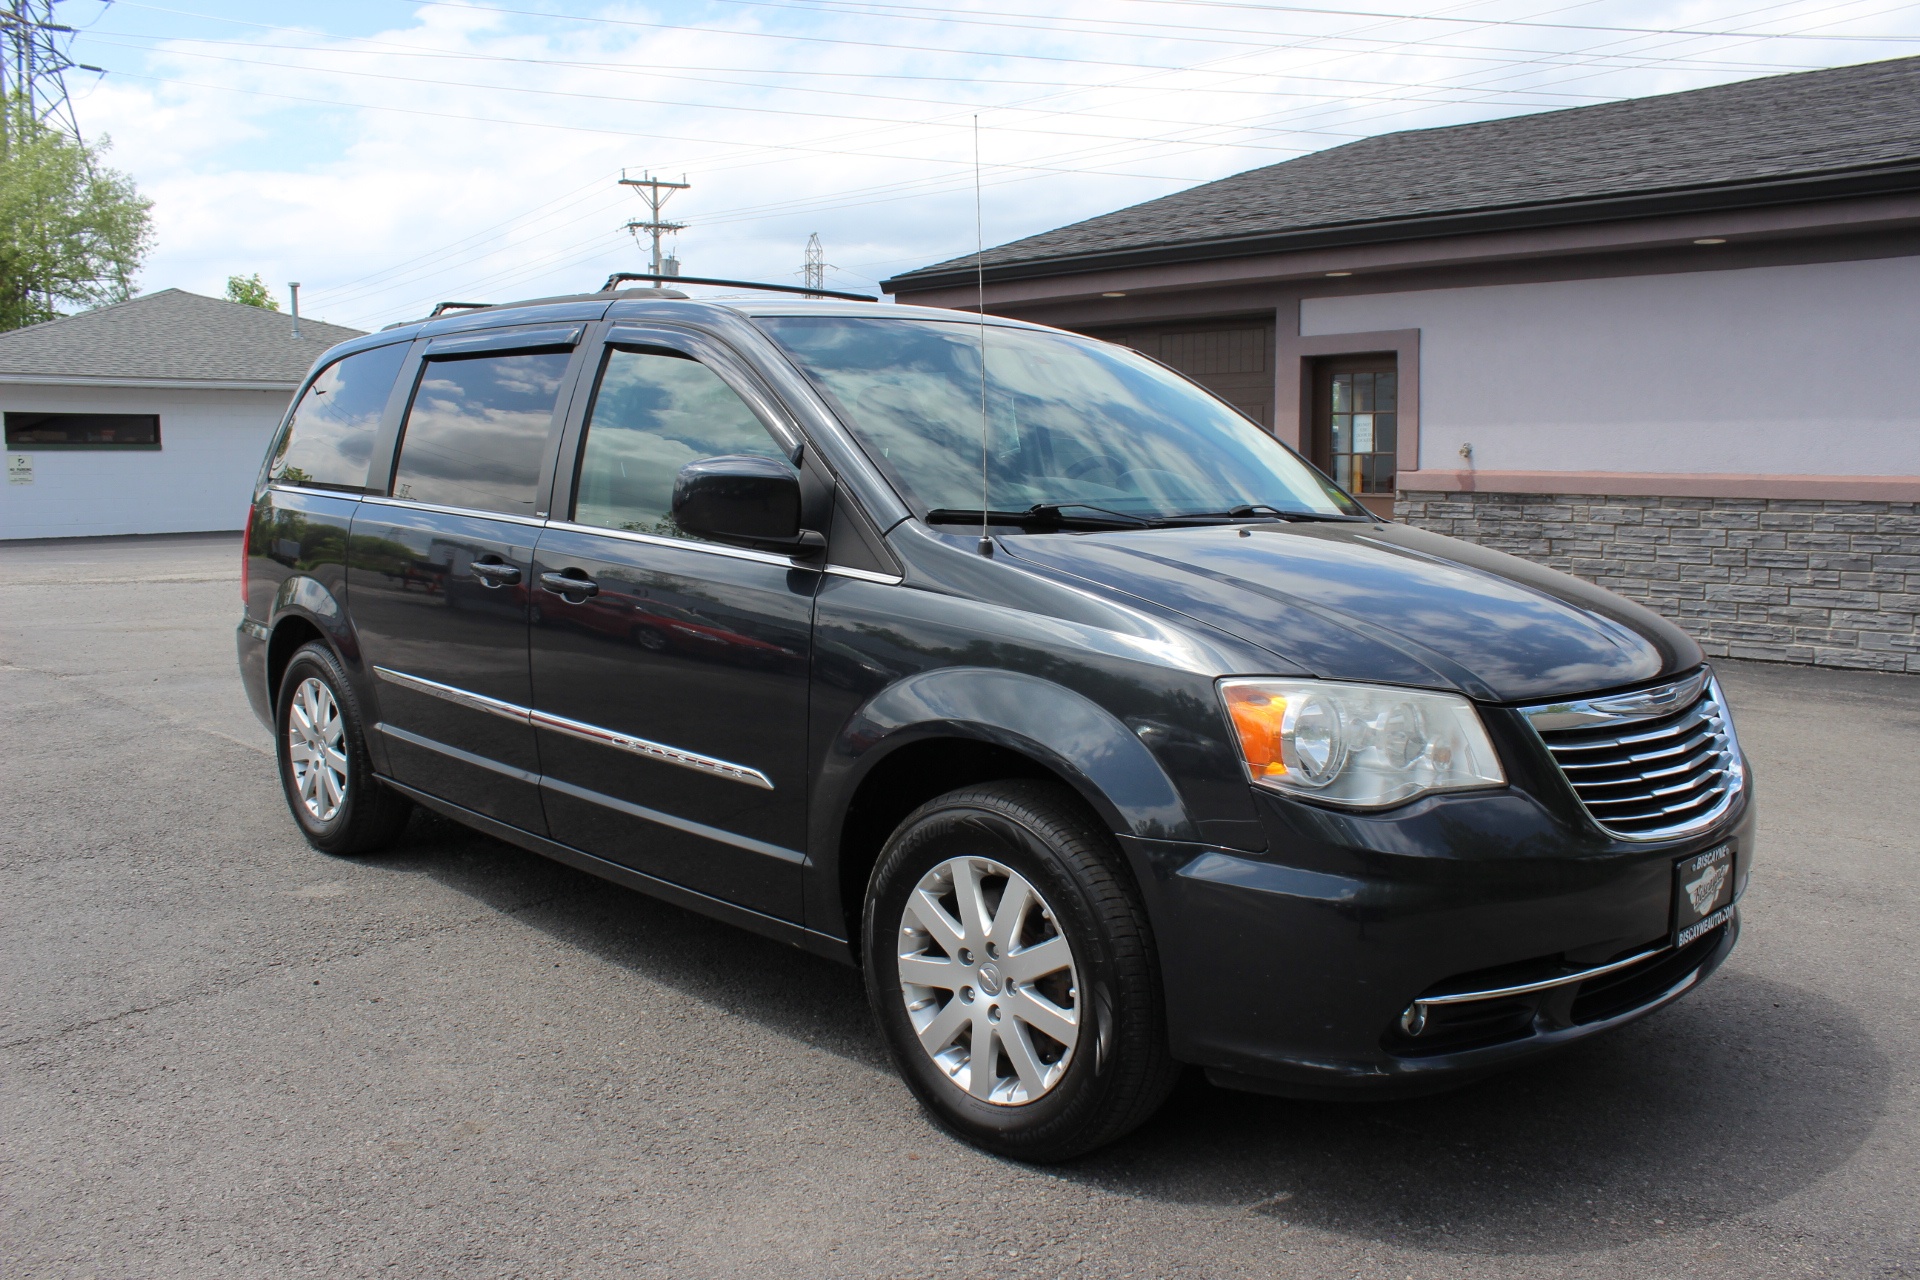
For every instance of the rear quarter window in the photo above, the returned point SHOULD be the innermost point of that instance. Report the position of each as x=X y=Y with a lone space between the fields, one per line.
x=476 y=434
x=329 y=441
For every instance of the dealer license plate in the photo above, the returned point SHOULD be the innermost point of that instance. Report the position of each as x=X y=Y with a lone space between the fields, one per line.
x=1702 y=893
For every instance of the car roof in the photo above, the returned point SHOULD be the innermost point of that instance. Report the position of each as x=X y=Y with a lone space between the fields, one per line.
x=640 y=304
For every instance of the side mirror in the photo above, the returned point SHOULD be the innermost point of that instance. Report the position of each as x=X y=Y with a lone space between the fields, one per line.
x=741 y=498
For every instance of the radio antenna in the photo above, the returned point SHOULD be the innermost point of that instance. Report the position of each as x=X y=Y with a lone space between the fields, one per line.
x=980 y=284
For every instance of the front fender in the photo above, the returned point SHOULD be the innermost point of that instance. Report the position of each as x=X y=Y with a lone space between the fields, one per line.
x=1063 y=730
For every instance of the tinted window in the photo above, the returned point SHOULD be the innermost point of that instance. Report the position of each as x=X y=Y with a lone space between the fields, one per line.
x=1066 y=420
x=654 y=414
x=330 y=439
x=85 y=430
x=477 y=431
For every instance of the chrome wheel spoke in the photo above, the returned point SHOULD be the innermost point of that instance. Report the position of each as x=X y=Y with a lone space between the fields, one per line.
x=982 y=1058
x=1044 y=1016
x=1014 y=901
x=1027 y=1066
x=931 y=971
x=932 y=918
x=301 y=753
x=946 y=1024
x=973 y=907
x=1031 y=963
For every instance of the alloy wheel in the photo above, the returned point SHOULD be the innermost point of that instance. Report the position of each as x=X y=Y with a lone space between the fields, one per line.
x=989 y=981
x=316 y=745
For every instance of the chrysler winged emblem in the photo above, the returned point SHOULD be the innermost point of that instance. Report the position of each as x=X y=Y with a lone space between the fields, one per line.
x=1703 y=891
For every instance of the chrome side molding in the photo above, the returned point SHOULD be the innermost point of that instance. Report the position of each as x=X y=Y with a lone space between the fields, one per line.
x=653 y=750
x=459 y=697
x=579 y=729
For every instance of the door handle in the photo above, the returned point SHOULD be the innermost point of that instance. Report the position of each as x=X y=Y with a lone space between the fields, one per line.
x=493 y=573
x=571 y=583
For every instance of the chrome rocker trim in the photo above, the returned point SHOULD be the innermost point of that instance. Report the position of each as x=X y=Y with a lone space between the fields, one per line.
x=579 y=729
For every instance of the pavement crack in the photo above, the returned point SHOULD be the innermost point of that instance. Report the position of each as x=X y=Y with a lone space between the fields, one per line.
x=85 y=690
x=247 y=979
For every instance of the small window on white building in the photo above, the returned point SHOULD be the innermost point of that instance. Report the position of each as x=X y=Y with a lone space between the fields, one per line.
x=83 y=430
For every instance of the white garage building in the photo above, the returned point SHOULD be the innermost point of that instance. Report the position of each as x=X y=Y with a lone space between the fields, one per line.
x=150 y=416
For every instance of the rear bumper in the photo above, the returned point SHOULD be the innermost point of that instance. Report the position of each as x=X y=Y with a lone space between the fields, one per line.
x=250 y=638
x=1291 y=974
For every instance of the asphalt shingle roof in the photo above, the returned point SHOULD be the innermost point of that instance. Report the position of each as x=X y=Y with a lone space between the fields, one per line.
x=171 y=334
x=1811 y=122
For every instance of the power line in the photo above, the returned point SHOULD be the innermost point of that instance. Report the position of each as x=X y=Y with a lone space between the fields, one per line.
x=1565 y=59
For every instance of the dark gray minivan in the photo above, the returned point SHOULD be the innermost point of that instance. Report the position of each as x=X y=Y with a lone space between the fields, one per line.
x=1099 y=728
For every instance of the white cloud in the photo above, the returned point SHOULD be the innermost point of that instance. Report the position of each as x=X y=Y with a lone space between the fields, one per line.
x=465 y=154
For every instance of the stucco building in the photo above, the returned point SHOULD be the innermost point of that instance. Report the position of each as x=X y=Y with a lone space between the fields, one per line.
x=1671 y=344
x=151 y=416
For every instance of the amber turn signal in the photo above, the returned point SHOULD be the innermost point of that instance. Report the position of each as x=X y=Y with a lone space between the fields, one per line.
x=1257 y=717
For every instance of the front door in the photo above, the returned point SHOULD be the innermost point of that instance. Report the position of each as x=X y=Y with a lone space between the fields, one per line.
x=670 y=673
x=1355 y=437
x=440 y=573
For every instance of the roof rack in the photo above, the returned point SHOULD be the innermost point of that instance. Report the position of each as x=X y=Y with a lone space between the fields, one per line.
x=811 y=292
x=441 y=307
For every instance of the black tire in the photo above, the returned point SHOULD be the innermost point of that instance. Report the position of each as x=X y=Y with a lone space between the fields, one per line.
x=1119 y=1070
x=370 y=815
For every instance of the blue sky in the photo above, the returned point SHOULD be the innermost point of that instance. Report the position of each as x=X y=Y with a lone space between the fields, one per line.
x=389 y=153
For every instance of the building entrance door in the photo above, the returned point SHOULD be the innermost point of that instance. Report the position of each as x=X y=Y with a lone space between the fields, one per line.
x=1355 y=432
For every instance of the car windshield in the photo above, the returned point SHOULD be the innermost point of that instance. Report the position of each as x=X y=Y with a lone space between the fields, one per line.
x=1070 y=423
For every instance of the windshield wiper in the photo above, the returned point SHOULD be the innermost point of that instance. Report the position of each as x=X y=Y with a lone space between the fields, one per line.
x=1044 y=515
x=1247 y=510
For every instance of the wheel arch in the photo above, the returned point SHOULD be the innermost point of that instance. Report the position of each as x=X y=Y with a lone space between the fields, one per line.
x=306 y=609
x=940 y=730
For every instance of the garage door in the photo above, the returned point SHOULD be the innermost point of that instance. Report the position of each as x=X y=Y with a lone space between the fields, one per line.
x=1232 y=359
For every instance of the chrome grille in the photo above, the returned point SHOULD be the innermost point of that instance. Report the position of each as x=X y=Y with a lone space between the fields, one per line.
x=1650 y=764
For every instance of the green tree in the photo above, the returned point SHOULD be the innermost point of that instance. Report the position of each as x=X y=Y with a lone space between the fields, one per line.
x=72 y=231
x=251 y=291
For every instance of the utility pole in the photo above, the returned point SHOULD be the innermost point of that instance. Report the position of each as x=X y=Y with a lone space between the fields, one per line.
x=814 y=271
x=656 y=192
x=34 y=63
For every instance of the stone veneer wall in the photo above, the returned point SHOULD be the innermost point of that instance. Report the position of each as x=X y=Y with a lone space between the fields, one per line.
x=1831 y=583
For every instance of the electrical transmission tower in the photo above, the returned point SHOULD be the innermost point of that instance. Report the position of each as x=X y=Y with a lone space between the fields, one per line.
x=34 y=63
x=656 y=192
x=814 y=270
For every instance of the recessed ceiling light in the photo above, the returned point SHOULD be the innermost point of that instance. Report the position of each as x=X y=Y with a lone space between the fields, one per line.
x=1113 y=295
x=1339 y=273
x=1710 y=240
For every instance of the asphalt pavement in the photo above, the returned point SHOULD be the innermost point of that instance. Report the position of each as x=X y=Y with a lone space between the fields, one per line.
x=225 y=1054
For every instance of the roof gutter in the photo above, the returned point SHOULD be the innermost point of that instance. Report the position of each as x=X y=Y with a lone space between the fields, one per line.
x=167 y=384
x=1902 y=176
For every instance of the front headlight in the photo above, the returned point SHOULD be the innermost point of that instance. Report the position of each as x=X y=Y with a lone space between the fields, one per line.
x=1356 y=744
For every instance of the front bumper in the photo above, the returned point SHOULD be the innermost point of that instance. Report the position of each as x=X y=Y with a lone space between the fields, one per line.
x=1290 y=971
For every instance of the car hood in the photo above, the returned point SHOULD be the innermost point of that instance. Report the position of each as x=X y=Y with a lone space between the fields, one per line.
x=1386 y=603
